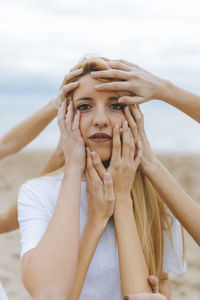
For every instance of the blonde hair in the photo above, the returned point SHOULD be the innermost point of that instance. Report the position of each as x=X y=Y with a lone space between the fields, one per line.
x=150 y=213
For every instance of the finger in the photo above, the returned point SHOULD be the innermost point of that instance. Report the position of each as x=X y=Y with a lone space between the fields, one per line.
x=139 y=154
x=116 y=145
x=116 y=86
x=125 y=140
x=76 y=122
x=69 y=117
x=65 y=91
x=111 y=74
x=61 y=116
x=126 y=62
x=68 y=77
x=145 y=296
x=131 y=123
x=120 y=65
x=98 y=164
x=130 y=100
x=132 y=146
x=108 y=188
x=90 y=170
x=153 y=280
x=138 y=117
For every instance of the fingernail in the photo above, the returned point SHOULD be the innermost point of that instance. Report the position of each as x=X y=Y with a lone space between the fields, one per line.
x=126 y=123
x=126 y=298
x=120 y=100
x=117 y=126
x=93 y=153
x=107 y=175
x=93 y=73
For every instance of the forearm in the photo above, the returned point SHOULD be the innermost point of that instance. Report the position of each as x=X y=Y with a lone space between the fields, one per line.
x=187 y=102
x=8 y=219
x=22 y=134
x=51 y=267
x=165 y=288
x=133 y=270
x=55 y=162
x=186 y=210
x=89 y=241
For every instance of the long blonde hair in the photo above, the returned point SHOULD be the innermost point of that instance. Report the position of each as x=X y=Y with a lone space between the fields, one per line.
x=150 y=213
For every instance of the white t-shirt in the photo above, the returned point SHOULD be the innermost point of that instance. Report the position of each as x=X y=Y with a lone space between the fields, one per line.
x=36 y=203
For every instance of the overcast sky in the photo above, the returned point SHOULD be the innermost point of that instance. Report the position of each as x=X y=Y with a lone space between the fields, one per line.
x=41 y=40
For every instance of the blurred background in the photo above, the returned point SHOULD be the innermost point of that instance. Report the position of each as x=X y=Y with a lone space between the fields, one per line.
x=41 y=40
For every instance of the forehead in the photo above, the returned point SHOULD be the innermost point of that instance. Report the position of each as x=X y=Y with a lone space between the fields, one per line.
x=86 y=88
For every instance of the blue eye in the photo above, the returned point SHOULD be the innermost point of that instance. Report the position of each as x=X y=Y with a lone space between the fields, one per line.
x=116 y=106
x=84 y=106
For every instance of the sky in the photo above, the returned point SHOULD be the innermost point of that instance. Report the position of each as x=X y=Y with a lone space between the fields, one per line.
x=42 y=40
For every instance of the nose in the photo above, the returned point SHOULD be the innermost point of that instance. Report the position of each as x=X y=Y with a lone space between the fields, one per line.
x=100 y=119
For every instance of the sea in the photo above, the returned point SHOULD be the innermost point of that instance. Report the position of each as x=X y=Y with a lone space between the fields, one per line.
x=168 y=129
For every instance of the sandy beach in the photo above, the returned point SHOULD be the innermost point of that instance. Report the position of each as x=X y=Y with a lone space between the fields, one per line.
x=15 y=170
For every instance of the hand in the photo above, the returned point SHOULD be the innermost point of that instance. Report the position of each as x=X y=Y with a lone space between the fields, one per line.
x=100 y=194
x=147 y=296
x=136 y=123
x=72 y=143
x=143 y=85
x=126 y=157
x=66 y=87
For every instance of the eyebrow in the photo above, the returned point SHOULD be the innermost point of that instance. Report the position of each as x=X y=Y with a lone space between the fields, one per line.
x=90 y=99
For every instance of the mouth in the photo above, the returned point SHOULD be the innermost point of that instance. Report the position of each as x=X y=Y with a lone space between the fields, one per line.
x=100 y=137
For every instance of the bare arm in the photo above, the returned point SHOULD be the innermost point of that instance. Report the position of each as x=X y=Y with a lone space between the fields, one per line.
x=49 y=269
x=133 y=270
x=186 y=210
x=124 y=163
x=22 y=134
x=145 y=86
x=26 y=131
x=101 y=199
x=165 y=286
x=8 y=219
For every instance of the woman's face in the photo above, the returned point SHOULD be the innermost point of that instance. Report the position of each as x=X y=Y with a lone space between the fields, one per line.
x=100 y=112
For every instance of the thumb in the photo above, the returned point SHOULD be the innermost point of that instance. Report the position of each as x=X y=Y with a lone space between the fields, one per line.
x=153 y=280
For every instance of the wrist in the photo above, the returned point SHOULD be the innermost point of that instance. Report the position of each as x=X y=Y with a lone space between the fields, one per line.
x=166 y=90
x=97 y=226
x=72 y=169
x=151 y=168
x=52 y=106
x=123 y=201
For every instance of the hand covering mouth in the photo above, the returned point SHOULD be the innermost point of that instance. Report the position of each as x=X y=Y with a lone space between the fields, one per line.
x=100 y=136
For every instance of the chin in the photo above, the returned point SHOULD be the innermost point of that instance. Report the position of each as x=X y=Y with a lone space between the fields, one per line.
x=104 y=153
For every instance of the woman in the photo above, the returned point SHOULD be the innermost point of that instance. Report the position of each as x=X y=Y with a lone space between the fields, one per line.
x=45 y=234
x=145 y=86
x=25 y=132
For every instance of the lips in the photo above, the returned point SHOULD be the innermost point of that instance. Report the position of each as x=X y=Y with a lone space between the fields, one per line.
x=100 y=137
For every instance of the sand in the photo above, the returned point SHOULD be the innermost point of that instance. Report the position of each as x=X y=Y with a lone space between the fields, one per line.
x=15 y=170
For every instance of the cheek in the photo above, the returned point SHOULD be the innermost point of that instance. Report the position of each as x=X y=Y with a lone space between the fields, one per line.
x=84 y=126
x=118 y=119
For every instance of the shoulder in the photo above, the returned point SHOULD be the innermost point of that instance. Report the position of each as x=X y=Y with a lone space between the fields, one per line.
x=40 y=189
